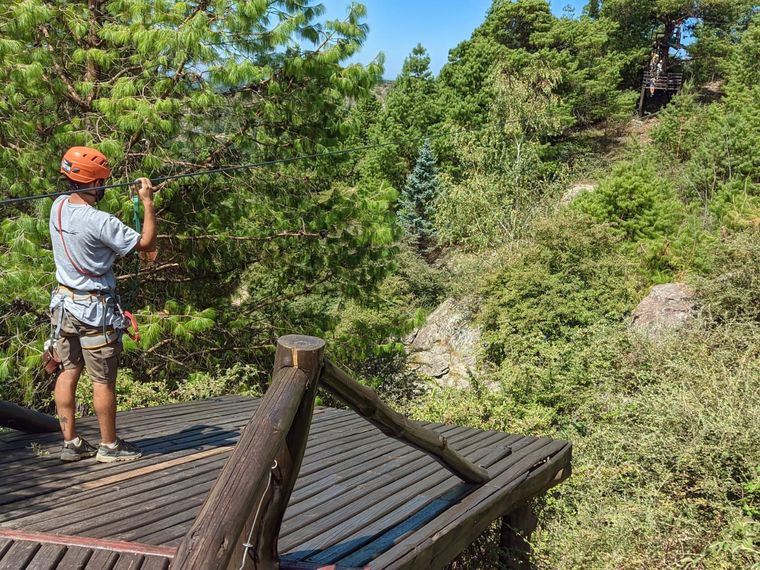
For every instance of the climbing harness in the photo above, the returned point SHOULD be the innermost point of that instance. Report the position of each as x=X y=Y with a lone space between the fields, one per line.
x=110 y=305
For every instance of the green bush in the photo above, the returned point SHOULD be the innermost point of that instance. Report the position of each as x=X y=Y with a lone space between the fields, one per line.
x=641 y=206
x=661 y=475
x=732 y=292
x=547 y=315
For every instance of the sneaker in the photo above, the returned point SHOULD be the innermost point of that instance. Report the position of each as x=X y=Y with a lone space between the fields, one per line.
x=124 y=451
x=71 y=452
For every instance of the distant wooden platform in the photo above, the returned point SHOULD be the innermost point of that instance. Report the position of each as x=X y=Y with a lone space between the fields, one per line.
x=361 y=498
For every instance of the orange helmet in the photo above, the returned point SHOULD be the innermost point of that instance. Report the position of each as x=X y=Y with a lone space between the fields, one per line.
x=85 y=164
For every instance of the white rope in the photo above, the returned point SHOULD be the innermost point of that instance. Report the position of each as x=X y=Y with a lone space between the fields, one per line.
x=247 y=545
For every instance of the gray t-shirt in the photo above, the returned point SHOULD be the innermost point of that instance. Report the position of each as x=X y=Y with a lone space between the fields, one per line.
x=94 y=240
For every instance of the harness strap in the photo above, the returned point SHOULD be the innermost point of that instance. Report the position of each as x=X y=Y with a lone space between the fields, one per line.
x=55 y=332
x=73 y=293
x=99 y=340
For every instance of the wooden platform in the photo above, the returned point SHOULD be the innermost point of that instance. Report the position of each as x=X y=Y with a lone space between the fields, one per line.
x=361 y=500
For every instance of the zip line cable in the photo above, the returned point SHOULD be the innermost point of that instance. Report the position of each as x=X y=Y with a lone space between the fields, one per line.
x=223 y=169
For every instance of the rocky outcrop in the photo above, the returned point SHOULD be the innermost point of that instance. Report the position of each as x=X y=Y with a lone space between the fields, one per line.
x=576 y=190
x=667 y=307
x=446 y=347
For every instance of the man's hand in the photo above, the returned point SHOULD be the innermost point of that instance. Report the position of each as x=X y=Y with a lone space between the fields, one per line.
x=147 y=241
x=145 y=192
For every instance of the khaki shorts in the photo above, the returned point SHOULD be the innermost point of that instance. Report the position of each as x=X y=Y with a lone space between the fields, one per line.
x=101 y=364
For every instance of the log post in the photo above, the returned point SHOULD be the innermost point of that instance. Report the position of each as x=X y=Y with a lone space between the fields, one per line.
x=366 y=403
x=514 y=543
x=26 y=420
x=223 y=525
x=306 y=354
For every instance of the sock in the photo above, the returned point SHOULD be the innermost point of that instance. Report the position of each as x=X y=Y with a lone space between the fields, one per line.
x=109 y=445
x=76 y=441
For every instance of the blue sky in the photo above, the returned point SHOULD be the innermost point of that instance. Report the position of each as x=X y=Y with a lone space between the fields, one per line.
x=396 y=26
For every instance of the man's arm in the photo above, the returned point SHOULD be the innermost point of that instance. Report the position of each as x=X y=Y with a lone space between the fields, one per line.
x=148 y=238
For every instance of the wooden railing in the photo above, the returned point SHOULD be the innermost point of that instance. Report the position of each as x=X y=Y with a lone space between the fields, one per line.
x=26 y=420
x=238 y=525
x=665 y=82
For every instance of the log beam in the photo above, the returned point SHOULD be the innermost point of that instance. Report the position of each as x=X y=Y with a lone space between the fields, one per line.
x=306 y=355
x=516 y=530
x=219 y=533
x=366 y=403
x=26 y=420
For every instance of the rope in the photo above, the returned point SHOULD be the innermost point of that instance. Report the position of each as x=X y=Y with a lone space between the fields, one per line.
x=134 y=289
x=248 y=545
x=223 y=169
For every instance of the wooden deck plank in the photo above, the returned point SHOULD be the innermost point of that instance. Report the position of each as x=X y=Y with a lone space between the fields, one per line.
x=75 y=558
x=346 y=459
x=434 y=545
x=74 y=473
x=134 y=420
x=47 y=557
x=5 y=544
x=329 y=482
x=76 y=501
x=19 y=555
x=438 y=504
x=129 y=562
x=66 y=502
x=155 y=563
x=147 y=483
x=407 y=496
x=365 y=504
x=398 y=465
x=427 y=505
x=361 y=498
x=102 y=560
x=170 y=440
x=148 y=437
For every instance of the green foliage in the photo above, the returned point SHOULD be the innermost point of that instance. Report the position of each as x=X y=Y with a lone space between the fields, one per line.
x=417 y=203
x=374 y=328
x=668 y=461
x=505 y=175
x=131 y=393
x=523 y=37
x=642 y=207
x=164 y=87
x=664 y=435
x=549 y=299
x=732 y=291
x=410 y=111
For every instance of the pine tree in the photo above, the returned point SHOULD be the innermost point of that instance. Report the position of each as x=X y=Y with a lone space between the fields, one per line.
x=165 y=87
x=417 y=203
x=410 y=112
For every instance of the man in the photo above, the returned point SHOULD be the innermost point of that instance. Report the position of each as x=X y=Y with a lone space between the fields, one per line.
x=86 y=320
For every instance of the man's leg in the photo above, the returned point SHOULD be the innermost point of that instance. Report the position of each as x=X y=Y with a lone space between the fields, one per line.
x=104 y=398
x=65 y=398
x=103 y=365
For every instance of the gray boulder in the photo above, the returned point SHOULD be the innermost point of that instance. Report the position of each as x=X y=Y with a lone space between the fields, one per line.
x=667 y=307
x=576 y=190
x=446 y=347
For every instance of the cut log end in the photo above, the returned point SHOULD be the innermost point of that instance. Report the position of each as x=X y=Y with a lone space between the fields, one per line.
x=301 y=343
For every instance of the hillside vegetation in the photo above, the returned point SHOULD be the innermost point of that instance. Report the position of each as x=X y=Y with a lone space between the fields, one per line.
x=463 y=196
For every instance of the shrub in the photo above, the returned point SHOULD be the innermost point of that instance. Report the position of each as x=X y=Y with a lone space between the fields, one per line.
x=642 y=207
x=732 y=292
x=661 y=477
x=548 y=316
